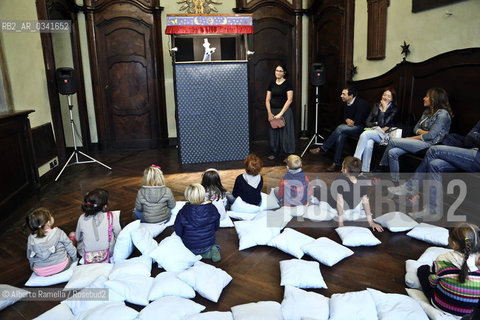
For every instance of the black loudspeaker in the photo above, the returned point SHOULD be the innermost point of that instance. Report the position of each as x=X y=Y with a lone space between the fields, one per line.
x=66 y=83
x=317 y=74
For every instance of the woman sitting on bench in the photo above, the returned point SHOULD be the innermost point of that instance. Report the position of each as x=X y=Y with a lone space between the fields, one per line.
x=429 y=130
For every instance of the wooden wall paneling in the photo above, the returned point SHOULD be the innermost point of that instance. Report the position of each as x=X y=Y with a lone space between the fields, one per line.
x=18 y=170
x=125 y=44
x=277 y=39
x=331 y=30
x=458 y=72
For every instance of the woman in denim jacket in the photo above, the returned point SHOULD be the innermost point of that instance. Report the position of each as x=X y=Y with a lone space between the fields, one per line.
x=381 y=118
x=429 y=130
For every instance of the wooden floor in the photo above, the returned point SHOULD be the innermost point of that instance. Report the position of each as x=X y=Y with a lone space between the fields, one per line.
x=255 y=271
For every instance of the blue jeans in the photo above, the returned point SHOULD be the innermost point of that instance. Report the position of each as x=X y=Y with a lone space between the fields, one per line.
x=441 y=159
x=365 y=148
x=337 y=139
x=397 y=148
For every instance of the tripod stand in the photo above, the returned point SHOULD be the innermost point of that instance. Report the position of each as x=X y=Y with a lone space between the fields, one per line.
x=316 y=135
x=75 y=151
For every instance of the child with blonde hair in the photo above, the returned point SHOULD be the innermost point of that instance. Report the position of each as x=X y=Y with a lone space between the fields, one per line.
x=154 y=200
x=295 y=188
x=97 y=228
x=197 y=222
x=49 y=250
x=452 y=283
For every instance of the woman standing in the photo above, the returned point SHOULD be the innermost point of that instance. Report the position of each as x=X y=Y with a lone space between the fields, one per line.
x=381 y=118
x=432 y=127
x=278 y=101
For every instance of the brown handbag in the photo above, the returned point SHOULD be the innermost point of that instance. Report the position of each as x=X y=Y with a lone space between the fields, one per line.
x=277 y=123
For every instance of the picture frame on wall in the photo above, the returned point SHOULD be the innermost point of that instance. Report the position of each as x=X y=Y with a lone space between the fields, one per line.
x=422 y=5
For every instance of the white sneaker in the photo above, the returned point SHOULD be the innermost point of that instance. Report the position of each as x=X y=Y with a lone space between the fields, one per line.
x=401 y=190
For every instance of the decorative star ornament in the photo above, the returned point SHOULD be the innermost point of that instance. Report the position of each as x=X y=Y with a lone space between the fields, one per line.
x=405 y=50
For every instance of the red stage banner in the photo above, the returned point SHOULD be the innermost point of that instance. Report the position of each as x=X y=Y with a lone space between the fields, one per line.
x=209 y=24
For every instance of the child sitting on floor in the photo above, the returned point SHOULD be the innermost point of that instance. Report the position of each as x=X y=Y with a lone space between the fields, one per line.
x=97 y=229
x=214 y=191
x=452 y=284
x=154 y=200
x=49 y=250
x=197 y=222
x=347 y=194
x=248 y=185
x=295 y=188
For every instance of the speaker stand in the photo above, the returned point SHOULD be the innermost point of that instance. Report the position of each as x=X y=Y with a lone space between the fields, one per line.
x=75 y=151
x=316 y=135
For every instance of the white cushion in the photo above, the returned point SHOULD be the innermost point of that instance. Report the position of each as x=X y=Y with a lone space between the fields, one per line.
x=297 y=211
x=326 y=251
x=10 y=294
x=430 y=233
x=241 y=206
x=39 y=281
x=178 y=205
x=226 y=222
x=134 y=288
x=291 y=242
x=301 y=274
x=321 y=212
x=253 y=233
x=172 y=255
x=175 y=307
x=143 y=240
x=298 y=304
x=154 y=228
x=358 y=304
x=269 y=202
x=265 y=310
x=85 y=274
x=111 y=310
x=167 y=284
x=241 y=215
x=427 y=258
x=432 y=312
x=78 y=304
x=278 y=218
x=59 y=312
x=396 y=221
x=354 y=214
x=123 y=244
x=206 y=279
x=393 y=306
x=212 y=315
x=139 y=265
x=357 y=236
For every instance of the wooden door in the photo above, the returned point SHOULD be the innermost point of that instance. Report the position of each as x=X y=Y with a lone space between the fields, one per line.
x=126 y=84
x=331 y=30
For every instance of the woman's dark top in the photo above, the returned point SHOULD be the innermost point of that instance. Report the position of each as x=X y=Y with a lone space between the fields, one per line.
x=382 y=119
x=279 y=93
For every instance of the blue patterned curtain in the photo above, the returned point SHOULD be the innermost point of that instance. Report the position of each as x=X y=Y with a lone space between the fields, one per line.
x=212 y=111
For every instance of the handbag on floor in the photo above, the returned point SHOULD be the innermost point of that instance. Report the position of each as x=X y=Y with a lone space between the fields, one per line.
x=100 y=256
x=277 y=123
